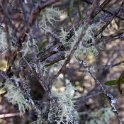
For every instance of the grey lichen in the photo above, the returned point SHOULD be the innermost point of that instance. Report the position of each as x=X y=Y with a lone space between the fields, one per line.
x=48 y=17
x=102 y=116
x=15 y=96
x=63 y=111
x=3 y=42
x=87 y=44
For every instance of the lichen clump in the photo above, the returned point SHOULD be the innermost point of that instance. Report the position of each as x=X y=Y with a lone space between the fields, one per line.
x=62 y=109
x=15 y=96
x=101 y=116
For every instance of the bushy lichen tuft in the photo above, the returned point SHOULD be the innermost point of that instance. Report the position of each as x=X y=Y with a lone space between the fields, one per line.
x=15 y=96
x=87 y=44
x=48 y=17
x=62 y=37
x=28 y=46
x=63 y=111
x=3 y=42
x=101 y=116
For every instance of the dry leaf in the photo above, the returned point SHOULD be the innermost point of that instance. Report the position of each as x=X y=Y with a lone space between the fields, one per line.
x=2 y=91
x=3 y=65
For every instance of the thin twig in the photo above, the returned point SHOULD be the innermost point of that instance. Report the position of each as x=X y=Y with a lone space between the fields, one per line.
x=101 y=7
x=23 y=10
x=98 y=67
x=111 y=99
x=9 y=115
x=104 y=10
x=83 y=99
x=112 y=37
x=109 y=21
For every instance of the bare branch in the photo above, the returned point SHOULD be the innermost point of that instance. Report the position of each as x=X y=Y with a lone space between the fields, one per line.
x=34 y=13
x=119 y=15
x=9 y=115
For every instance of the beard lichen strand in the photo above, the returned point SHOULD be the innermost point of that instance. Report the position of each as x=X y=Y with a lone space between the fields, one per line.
x=63 y=111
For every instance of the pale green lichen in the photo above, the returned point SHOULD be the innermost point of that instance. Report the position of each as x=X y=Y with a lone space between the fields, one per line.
x=38 y=121
x=62 y=37
x=28 y=46
x=48 y=17
x=15 y=96
x=3 y=42
x=85 y=47
x=63 y=110
x=102 y=116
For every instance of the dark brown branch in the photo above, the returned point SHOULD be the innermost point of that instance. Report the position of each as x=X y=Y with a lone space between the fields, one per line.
x=112 y=37
x=82 y=100
x=119 y=15
x=102 y=6
x=33 y=16
x=93 y=10
x=109 y=19
x=23 y=10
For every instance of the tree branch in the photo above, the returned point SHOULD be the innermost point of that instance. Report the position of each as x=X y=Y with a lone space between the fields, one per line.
x=119 y=15
x=33 y=16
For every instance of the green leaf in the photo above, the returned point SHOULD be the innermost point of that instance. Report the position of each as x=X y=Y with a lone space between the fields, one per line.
x=111 y=82
x=121 y=78
x=79 y=10
x=2 y=91
x=70 y=10
x=42 y=45
x=119 y=81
